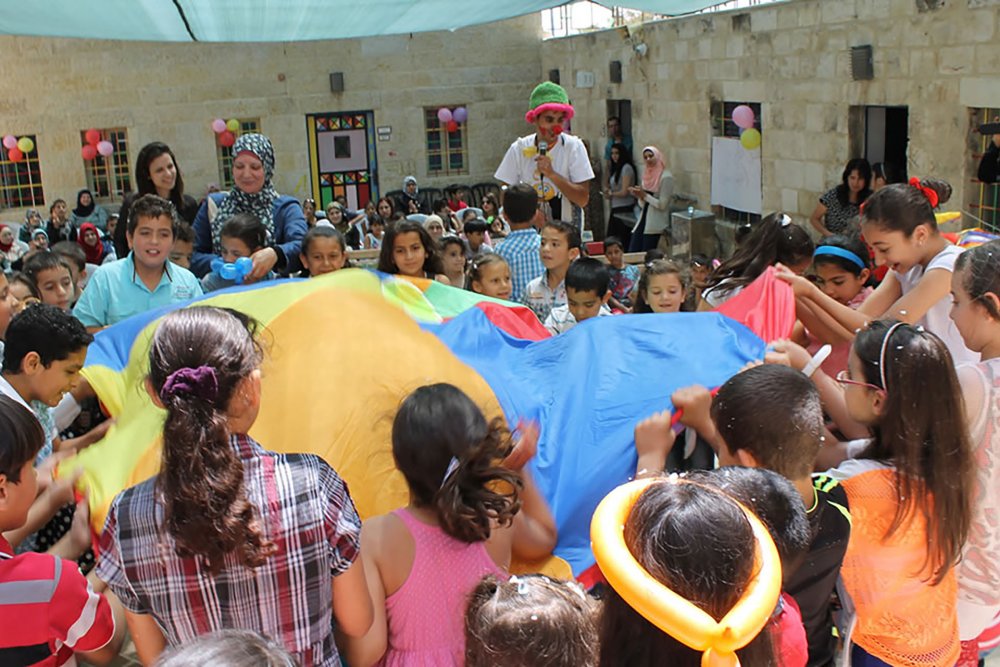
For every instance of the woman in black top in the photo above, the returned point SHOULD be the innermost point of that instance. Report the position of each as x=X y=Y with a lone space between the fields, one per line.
x=839 y=207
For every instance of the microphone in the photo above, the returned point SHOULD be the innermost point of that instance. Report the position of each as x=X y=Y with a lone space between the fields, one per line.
x=543 y=148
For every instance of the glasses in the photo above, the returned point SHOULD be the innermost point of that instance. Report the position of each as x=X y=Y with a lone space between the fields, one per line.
x=843 y=379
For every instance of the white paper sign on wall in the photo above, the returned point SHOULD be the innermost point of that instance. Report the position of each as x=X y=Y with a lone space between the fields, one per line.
x=736 y=179
x=585 y=79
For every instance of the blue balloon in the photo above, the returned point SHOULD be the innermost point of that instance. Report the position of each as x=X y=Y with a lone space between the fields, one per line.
x=235 y=271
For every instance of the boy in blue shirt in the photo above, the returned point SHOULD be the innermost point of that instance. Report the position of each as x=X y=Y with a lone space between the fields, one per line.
x=144 y=280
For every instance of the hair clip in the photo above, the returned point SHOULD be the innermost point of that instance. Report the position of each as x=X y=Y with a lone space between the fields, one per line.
x=452 y=467
x=785 y=220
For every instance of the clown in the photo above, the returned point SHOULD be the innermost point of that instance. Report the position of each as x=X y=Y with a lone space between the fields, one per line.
x=553 y=162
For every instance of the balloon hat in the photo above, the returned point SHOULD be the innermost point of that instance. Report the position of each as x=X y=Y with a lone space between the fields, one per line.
x=671 y=613
x=548 y=96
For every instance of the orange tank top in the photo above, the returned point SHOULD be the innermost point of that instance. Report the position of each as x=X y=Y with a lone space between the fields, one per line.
x=902 y=618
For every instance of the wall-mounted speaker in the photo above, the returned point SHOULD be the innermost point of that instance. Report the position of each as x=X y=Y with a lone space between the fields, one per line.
x=862 y=68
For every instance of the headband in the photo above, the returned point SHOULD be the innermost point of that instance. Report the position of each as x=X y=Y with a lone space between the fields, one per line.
x=930 y=193
x=671 y=613
x=885 y=346
x=839 y=252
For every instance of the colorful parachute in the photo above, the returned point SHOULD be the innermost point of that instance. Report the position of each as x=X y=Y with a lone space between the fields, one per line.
x=345 y=349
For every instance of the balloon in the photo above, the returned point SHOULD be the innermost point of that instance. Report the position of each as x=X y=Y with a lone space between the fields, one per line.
x=218 y=126
x=750 y=139
x=452 y=126
x=235 y=271
x=88 y=152
x=743 y=116
x=105 y=148
x=667 y=610
x=26 y=144
x=444 y=115
x=227 y=139
x=92 y=136
x=15 y=154
x=460 y=115
x=10 y=141
x=233 y=125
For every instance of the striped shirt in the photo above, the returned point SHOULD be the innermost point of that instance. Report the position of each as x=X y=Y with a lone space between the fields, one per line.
x=522 y=250
x=48 y=610
x=305 y=510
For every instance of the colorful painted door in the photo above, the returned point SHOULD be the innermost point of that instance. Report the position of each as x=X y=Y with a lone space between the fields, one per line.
x=342 y=157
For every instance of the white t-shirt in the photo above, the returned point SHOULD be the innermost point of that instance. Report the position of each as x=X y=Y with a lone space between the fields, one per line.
x=937 y=319
x=569 y=160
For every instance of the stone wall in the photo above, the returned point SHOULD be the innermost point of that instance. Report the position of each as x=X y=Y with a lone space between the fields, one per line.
x=794 y=58
x=55 y=88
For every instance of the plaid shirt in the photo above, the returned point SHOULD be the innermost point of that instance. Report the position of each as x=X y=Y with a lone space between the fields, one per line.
x=522 y=250
x=541 y=298
x=305 y=510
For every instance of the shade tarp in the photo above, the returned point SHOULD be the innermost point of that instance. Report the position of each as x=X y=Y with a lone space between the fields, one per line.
x=272 y=20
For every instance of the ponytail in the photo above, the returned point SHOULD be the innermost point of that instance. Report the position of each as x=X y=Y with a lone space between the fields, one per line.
x=450 y=457
x=198 y=358
x=903 y=207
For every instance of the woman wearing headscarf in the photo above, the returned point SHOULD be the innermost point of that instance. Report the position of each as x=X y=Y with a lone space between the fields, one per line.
x=253 y=193
x=156 y=173
x=654 y=197
x=409 y=201
x=90 y=240
x=11 y=249
x=88 y=210
x=32 y=221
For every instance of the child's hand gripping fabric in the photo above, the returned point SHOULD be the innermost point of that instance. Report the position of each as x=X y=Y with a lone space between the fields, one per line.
x=654 y=438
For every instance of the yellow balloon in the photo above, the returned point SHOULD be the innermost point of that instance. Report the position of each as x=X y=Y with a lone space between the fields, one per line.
x=233 y=125
x=750 y=139
x=26 y=144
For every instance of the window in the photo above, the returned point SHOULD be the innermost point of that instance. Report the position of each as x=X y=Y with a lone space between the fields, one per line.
x=109 y=177
x=983 y=199
x=445 y=150
x=724 y=126
x=224 y=154
x=21 y=182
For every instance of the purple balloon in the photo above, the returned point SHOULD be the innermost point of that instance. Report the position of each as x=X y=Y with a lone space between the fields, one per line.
x=10 y=141
x=460 y=115
x=218 y=126
x=444 y=115
x=743 y=116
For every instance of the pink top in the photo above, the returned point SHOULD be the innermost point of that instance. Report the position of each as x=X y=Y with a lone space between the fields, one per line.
x=837 y=361
x=426 y=616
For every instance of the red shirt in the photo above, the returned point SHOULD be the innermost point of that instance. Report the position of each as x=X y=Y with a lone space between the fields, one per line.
x=48 y=610
x=788 y=635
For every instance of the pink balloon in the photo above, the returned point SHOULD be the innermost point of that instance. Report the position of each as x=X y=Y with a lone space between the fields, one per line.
x=460 y=115
x=105 y=148
x=743 y=116
x=10 y=141
x=88 y=152
x=444 y=115
x=218 y=126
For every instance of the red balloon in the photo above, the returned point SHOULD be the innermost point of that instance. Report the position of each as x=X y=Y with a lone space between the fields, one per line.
x=227 y=139
x=452 y=126
x=89 y=152
x=15 y=155
x=93 y=136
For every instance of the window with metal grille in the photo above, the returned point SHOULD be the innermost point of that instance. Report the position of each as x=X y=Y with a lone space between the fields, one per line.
x=21 y=182
x=108 y=177
x=982 y=199
x=224 y=154
x=446 y=151
x=724 y=126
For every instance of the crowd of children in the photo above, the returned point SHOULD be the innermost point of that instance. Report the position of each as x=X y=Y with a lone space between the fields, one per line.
x=876 y=473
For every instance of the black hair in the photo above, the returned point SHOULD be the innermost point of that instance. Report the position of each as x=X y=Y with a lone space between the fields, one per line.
x=323 y=232
x=71 y=251
x=657 y=267
x=902 y=207
x=774 y=413
x=624 y=158
x=698 y=259
x=887 y=172
x=183 y=232
x=44 y=261
x=21 y=438
x=246 y=227
x=19 y=277
x=53 y=205
x=478 y=263
x=772 y=241
x=860 y=165
x=520 y=203
x=439 y=204
x=144 y=180
x=477 y=225
x=613 y=241
x=569 y=230
x=432 y=259
x=851 y=243
x=980 y=269
x=450 y=456
x=775 y=501
x=588 y=275
x=50 y=332
x=652 y=255
x=153 y=207
x=449 y=240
